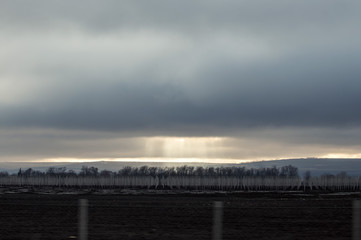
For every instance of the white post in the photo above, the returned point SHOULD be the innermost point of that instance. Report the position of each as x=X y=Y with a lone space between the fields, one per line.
x=356 y=220
x=83 y=219
x=217 y=220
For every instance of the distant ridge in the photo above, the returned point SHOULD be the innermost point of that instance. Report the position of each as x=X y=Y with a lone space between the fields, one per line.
x=317 y=166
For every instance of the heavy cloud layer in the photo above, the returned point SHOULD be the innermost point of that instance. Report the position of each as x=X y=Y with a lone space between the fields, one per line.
x=209 y=68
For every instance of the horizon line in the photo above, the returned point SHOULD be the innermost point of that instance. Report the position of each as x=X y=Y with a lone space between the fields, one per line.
x=169 y=160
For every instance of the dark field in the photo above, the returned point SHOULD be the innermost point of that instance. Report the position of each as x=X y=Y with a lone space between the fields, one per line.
x=178 y=216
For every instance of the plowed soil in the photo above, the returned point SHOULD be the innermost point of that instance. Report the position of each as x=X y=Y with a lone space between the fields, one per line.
x=178 y=216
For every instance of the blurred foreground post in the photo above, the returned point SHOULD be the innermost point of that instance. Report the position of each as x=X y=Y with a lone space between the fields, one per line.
x=356 y=220
x=217 y=220
x=83 y=219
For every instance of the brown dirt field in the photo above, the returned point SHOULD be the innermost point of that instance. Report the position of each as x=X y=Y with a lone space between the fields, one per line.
x=178 y=216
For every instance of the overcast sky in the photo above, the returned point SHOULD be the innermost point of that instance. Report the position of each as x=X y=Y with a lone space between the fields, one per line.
x=237 y=80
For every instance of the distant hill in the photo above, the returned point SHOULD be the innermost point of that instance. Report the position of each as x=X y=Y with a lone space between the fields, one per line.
x=317 y=166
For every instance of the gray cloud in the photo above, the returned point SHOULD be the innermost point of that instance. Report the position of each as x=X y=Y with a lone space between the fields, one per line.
x=294 y=93
x=180 y=69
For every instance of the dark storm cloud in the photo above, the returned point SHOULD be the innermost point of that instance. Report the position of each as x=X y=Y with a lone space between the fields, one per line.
x=192 y=68
x=297 y=92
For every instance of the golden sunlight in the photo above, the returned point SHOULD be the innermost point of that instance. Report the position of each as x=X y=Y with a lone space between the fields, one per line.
x=341 y=155
x=145 y=160
x=184 y=147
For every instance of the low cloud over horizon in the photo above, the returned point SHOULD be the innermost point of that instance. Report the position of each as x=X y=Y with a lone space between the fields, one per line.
x=209 y=80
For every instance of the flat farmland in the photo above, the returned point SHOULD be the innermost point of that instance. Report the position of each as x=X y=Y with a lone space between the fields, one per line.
x=178 y=216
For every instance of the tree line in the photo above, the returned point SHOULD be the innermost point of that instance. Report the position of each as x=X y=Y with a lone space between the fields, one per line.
x=161 y=172
x=184 y=177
